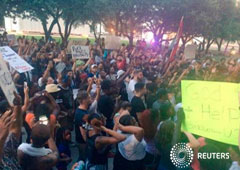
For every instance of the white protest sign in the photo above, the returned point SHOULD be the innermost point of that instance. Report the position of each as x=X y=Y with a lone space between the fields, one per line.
x=190 y=51
x=112 y=42
x=80 y=52
x=75 y=42
x=14 y=60
x=6 y=82
x=60 y=67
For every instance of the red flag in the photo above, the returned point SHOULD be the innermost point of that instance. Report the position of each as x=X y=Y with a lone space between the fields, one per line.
x=178 y=36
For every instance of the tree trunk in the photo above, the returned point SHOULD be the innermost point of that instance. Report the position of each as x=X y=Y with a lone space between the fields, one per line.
x=225 y=50
x=67 y=32
x=219 y=44
x=184 y=42
x=48 y=31
x=209 y=43
x=203 y=44
x=130 y=39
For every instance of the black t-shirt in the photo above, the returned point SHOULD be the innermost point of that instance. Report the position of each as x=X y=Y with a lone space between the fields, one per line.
x=66 y=96
x=137 y=106
x=150 y=100
x=106 y=106
x=95 y=156
x=79 y=113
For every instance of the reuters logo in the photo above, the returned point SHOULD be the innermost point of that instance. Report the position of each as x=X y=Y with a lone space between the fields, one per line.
x=181 y=155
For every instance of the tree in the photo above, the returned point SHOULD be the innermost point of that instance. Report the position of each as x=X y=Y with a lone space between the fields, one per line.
x=72 y=15
x=45 y=11
x=225 y=27
x=95 y=12
x=125 y=18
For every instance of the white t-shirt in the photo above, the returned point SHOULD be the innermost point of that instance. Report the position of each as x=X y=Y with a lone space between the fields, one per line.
x=32 y=151
x=131 y=149
x=130 y=89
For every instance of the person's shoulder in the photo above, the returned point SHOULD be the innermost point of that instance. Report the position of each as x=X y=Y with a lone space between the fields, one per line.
x=23 y=146
x=132 y=81
x=49 y=160
x=136 y=99
x=79 y=111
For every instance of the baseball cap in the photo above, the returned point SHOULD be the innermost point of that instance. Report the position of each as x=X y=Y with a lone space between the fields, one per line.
x=94 y=65
x=120 y=73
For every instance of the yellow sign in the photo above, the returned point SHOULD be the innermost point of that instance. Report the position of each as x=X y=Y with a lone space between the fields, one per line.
x=212 y=110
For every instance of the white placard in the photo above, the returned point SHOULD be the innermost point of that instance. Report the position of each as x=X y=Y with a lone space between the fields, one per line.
x=60 y=67
x=75 y=42
x=14 y=60
x=6 y=81
x=80 y=52
x=190 y=51
x=112 y=42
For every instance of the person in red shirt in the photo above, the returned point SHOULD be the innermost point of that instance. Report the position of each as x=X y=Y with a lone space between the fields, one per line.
x=121 y=63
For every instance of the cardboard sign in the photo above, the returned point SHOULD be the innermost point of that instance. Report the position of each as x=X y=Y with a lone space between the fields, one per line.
x=190 y=51
x=212 y=110
x=75 y=42
x=112 y=42
x=14 y=60
x=6 y=82
x=80 y=52
x=60 y=67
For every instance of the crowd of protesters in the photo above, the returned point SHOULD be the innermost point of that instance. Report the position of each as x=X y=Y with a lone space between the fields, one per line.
x=127 y=106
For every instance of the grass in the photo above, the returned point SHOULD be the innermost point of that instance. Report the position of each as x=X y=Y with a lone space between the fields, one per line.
x=58 y=39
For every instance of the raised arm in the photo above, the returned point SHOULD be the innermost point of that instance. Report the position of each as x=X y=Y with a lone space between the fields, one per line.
x=193 y=142
x=104 y=140
x=16 y=126
x=185 y=72
x=87 y=63
x=52 y=158
x=56 y=108
x=26 y=99
x=74 y=66
x=5 y=122
x=46 y=73
x=137 y=131
x=172 y=79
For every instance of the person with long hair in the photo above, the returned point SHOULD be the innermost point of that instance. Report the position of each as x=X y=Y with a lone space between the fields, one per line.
x=98 y=145
x=130 y=152
x=63 y=139
x=170 y=134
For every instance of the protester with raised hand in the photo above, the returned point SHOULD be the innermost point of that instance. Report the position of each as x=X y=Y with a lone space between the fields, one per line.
x=11 y=123
x=35 y=156
x=98 y=145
